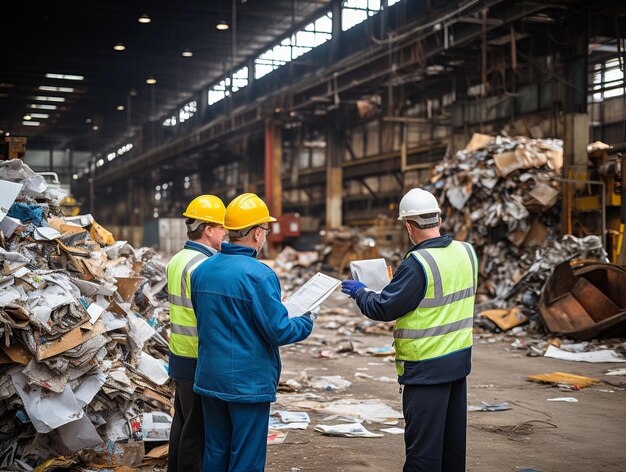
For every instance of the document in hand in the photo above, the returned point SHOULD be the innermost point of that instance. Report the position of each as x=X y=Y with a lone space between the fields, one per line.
x=311 y=294
x=372 y=272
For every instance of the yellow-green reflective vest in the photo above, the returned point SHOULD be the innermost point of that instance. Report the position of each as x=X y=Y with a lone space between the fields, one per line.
x=442 y=323
x=183 y=323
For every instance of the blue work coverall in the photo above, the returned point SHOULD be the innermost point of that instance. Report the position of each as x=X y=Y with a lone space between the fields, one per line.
x=241 y=324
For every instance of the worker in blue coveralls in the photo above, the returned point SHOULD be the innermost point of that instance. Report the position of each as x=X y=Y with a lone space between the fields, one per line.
x=205 y=230
x=241 y=324
x=431 y=298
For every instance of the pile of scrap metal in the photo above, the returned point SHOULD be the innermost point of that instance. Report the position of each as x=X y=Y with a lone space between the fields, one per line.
x=81 y=357
x=503 y=195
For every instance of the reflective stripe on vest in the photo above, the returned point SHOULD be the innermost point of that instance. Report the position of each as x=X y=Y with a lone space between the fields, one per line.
x=442 y=323
x=183 y=323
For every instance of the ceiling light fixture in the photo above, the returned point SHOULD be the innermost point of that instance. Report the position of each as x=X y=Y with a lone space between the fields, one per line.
x=120 y=108
x=49 y=88
x=43 y=98
x=151 y=80
x=39 y=115
x=187 y=53
x=27 y=117
x=64 y=76
x=38 y=106
x=94 y=127
x=31 y=123
x=222 y=25
x=145 y=19
x=119 y=47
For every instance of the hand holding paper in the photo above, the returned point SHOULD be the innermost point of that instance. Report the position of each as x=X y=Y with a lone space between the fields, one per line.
x=351 y=287
x=311 y=294
x=374 y=273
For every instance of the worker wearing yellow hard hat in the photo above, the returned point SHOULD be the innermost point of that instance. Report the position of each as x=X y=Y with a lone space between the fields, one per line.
x=246 y=211
x=205 y=231
x=241 y=324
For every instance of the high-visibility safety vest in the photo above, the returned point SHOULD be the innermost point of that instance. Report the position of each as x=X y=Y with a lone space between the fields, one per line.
x=442 y=322
x=183 y=323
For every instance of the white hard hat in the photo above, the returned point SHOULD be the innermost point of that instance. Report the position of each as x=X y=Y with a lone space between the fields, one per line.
x=418 y=202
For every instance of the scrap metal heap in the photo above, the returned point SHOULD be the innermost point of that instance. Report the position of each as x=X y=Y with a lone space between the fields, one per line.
x=81 y=357
x=503 y=195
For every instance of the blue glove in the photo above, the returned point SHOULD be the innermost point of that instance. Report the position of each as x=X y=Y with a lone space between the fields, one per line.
x=351 y=287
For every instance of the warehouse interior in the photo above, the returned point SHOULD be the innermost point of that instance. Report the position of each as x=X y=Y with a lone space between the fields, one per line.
x=334 y=108
x=330 y=111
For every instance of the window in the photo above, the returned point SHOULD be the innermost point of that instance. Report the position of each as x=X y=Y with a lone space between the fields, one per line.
x=187 y=111
x=171 y=121
x=357 y=11
x=222 y=88
x=608 y=80
x=301 y=42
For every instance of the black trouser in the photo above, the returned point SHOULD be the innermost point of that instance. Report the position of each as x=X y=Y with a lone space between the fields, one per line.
x=187 y=433
x=436 y=422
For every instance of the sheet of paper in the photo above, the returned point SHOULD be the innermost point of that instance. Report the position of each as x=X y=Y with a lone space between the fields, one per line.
x=393 y=430
x=46 y=410
x=79 y=434
x=89 y=387
x=276 y=423
x=294 y=416
x=152 y=368
x=8 y=193
x=604 y=355
x=94 y=311
x=45 y=233
x=372 y=272
x=311 y=295
x=352 y=430
x=8 y=225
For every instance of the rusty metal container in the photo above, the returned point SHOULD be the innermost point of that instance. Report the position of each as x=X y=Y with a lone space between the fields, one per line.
x=585 y=301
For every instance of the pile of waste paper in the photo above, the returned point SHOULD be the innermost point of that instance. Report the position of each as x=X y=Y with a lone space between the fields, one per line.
x=83 y=366
x=503 y=194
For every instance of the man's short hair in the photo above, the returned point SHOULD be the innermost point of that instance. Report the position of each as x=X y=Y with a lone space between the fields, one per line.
x=239 y=234
x=195 y=228
x=425 y=216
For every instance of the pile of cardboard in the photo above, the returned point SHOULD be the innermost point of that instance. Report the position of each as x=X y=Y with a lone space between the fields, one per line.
x=80 y=316
x=503 y=195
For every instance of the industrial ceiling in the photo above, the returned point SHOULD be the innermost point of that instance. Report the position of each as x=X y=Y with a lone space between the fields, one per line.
x=89 y=72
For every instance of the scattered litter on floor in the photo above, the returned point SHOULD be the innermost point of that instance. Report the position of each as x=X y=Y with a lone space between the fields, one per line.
x=616 y=372
x=392 y=430
x=275 y=437
x=563 y=399
x=351 y=430
x=485 y=406
x=370 y=410
x=606 y=355
x=329 y=383
x=562 y=378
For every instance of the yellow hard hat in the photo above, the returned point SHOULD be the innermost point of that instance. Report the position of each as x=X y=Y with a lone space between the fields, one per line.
x=245 y=211
x=207 y=208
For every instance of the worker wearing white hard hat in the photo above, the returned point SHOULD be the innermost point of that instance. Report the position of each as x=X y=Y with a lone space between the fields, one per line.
x=431 y=299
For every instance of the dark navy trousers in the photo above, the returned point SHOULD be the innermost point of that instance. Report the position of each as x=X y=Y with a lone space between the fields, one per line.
x=187 y=433
x=436 y=424
x=235 y=435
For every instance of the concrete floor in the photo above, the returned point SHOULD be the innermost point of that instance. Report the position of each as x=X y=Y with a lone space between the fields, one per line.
x=574 y=437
